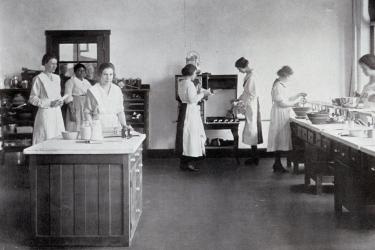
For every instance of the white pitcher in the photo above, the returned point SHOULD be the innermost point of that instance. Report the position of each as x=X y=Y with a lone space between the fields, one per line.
x=85 y=131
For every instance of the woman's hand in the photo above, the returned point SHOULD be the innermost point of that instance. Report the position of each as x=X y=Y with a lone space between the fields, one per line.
x=56 y=103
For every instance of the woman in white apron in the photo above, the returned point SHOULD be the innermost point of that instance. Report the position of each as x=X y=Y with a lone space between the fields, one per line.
x=252 y=132
x=76 y=88
x=45 y=94
x=367 y=64
x=279 y=135
x=190 y=136
x=105 y=101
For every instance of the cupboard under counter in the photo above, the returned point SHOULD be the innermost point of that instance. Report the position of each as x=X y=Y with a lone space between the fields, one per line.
x=90 y=196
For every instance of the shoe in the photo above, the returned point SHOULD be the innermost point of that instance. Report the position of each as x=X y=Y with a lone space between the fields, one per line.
x=251 y=161
x=278 y=168
x=191 y=168
x=183 y=167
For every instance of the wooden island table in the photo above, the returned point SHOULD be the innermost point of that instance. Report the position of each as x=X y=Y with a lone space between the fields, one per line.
x=85 y=194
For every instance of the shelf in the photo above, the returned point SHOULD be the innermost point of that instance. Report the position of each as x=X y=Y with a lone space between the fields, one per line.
x=15 y=90
x=134 y=110
x=134 y=100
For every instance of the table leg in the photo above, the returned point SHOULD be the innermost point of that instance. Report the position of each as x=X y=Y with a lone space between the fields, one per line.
x=234 y=131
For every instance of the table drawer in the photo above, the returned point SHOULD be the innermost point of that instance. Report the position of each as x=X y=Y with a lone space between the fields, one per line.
x=326 y=144
x=304 y=134
x=310 y=136
x=355 y=157
x=318 y=140
x=341 y=152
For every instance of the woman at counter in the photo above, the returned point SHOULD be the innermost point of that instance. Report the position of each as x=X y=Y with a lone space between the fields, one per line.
x=190 y=136
x=104 y=101
x=252 y=132
x=367 y=64
x=45 y=94
x=76 y=88
x=279 y=136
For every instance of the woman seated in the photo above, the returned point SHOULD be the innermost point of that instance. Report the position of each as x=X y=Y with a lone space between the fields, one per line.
x=104 y=100
x=76 y=88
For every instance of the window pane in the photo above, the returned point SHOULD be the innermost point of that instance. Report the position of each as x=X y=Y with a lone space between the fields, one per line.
x=68 y=52
x=87 y=52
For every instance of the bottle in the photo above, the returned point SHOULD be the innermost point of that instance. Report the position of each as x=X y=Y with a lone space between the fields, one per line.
x=85 y=131
x=96 y=130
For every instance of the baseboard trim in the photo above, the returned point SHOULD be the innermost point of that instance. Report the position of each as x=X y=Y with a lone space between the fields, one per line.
x=210 y=153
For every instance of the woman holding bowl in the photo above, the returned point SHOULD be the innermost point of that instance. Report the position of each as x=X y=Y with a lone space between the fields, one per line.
x=279 y=136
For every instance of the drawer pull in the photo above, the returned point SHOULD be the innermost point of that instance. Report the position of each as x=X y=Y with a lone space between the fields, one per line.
x=372 y=169
x=342 y=154
x=353 y=159
x=335 y=150
x=132 y=159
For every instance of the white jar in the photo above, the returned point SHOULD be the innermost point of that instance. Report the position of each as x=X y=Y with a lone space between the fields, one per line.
x=96 y=130
x=85 y=131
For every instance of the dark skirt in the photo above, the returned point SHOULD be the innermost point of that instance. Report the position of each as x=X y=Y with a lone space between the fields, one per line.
x=179 y=148
x=259 y=125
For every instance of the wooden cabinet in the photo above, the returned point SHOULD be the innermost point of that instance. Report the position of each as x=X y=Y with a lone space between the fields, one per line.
x=136 y=107
x=13 y=117
x=85 y=199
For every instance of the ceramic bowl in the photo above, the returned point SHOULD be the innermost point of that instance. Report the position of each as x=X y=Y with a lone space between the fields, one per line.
x=301 y=111
x=69 y=135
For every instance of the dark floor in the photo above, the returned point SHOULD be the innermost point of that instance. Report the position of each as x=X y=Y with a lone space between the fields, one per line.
x=223 y=207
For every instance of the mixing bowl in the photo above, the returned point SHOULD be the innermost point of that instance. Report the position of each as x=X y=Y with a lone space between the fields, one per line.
x=69 y=135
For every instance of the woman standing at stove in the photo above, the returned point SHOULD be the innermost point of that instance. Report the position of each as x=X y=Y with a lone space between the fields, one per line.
x=252 y=132
x=190 y=136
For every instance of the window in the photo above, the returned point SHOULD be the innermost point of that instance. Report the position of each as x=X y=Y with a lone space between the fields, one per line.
x=90 y=47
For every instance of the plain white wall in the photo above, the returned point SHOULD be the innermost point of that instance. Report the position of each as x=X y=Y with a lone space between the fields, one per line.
x=150 y=40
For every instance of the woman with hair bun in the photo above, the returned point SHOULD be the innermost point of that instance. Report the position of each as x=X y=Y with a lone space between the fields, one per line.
x=190 y=136
x=252 y=132
x=367 y=64
x=45 y=94
x=279 y=136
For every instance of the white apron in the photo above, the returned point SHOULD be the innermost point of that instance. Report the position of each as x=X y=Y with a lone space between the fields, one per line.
x=279 y=135
x=106 y=106
x=250 y=99
x=48 y=121
x=194 y=137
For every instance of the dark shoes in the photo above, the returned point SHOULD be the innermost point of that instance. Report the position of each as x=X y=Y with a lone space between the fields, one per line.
x=278 y=168
x=252 y=161
x=188 y=167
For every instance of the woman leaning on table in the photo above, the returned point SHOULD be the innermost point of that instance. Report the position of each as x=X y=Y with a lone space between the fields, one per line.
x=252 y=132
x=104 y=100
x=279 y=136
x=45 y=94
x=190 y=136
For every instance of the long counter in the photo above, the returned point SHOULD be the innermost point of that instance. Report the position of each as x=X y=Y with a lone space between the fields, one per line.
x=350 y=160
x=85 y=194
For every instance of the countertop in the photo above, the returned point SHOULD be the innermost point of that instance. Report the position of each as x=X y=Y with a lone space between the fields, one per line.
x=339 y=132
x=111 y=145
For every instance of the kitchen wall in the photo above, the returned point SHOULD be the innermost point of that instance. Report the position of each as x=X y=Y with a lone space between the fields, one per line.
x=150 y=40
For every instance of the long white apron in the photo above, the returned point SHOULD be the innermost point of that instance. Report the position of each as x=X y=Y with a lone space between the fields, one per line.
x=250 y=99
x=48 y=121
x=106 y=111
x=279 y=135
x=194 y=137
